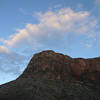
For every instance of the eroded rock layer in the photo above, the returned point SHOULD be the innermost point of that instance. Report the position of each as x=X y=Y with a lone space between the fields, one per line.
x=51 y=65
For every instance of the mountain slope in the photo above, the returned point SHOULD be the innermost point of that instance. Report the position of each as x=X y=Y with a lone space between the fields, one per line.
x=54 y=76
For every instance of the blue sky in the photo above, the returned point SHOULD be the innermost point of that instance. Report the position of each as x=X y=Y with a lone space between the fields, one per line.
x=71 y=27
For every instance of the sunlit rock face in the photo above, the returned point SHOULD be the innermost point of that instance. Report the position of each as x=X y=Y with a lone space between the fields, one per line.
x=55 y=76
x=86 y=69
x=51 y=65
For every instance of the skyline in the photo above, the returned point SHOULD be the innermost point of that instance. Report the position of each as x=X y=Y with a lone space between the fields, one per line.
x=30 y=26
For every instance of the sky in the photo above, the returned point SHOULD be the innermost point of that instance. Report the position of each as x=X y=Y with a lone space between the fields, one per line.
x=71 y=27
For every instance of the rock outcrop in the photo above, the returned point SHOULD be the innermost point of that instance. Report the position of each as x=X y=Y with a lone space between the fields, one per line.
x=53 y=66
x=54 y=76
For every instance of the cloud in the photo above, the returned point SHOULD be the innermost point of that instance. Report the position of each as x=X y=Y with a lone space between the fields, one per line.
x=97 y=2
x=11 y=62
x=96 y=7
x=53 y=26
x=20 y=36
x=4 y=49
x=88 y=45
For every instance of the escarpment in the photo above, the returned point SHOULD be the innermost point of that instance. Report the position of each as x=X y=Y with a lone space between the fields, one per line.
x=51 y=65
x=55 y=76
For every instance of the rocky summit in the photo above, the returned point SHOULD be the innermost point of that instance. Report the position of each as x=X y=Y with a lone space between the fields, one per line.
x=55 y=76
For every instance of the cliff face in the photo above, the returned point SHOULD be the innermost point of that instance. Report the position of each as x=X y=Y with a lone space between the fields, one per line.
x=48 y=65
x=54 y=76
x=51 y=65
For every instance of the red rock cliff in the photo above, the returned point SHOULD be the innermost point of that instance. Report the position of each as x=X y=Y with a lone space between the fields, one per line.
x=51 y=65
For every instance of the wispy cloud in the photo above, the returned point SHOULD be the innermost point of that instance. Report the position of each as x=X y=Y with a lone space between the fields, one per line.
x=96 y=8
x=97 y=2
x=24 y=12
x=4 y=49
x=10 y=62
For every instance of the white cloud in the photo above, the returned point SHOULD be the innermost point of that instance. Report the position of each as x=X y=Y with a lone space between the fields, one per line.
x=62 y=20
x=4 y=49
x=20 y=36
x=54 y=25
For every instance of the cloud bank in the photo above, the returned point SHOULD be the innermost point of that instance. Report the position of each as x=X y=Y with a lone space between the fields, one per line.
x=53 y=26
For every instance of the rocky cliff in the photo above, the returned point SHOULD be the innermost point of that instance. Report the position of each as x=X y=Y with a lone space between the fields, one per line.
x=53 y=66
x=54 y=76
